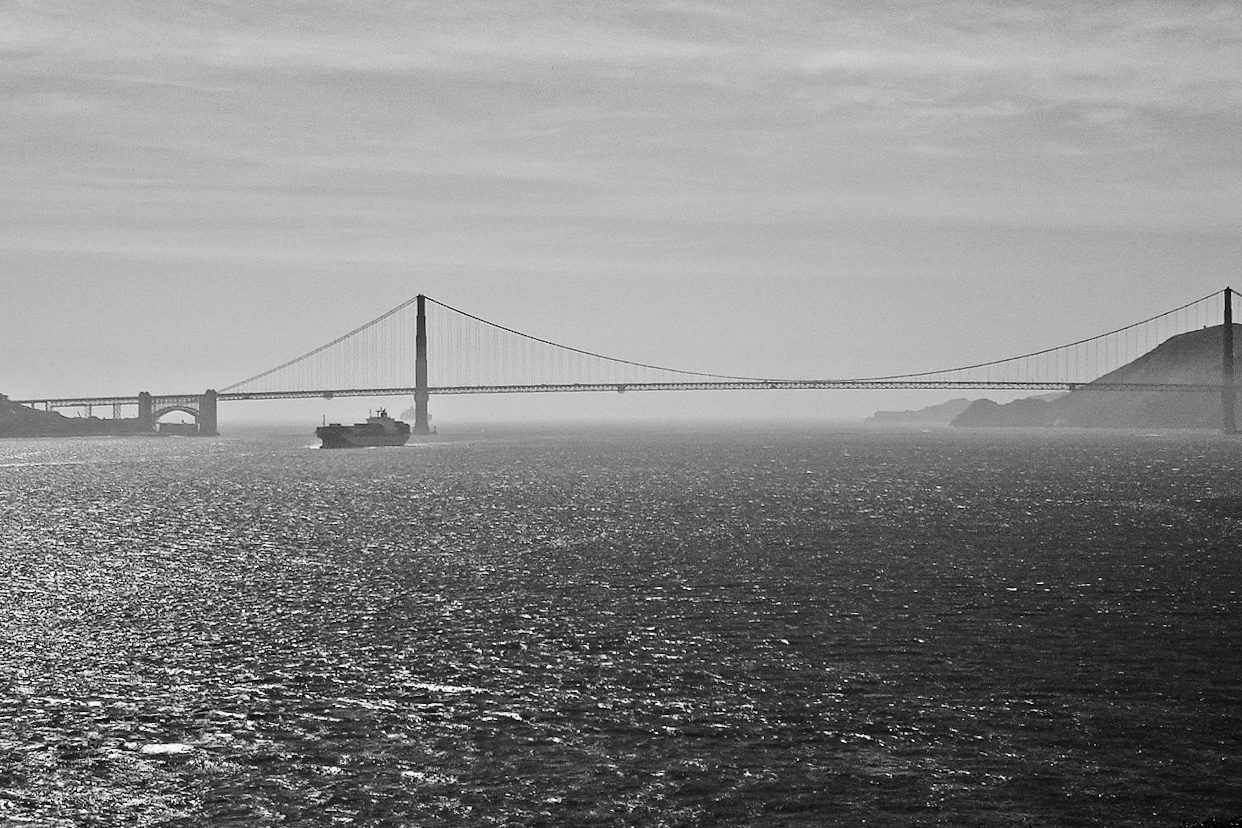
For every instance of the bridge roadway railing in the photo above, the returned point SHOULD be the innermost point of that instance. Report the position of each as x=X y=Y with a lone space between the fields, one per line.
x=758 y=385
x=165 y=400
x=158 y=400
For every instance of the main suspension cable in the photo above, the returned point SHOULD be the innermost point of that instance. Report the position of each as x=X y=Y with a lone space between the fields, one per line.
x=1122 y=329
x=595 y=355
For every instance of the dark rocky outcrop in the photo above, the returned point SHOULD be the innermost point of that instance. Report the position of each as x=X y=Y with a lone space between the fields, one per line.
x=1190 y=358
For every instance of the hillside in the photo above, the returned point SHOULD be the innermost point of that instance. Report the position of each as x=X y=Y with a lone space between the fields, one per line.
x=941 y=414
x=1193 y=357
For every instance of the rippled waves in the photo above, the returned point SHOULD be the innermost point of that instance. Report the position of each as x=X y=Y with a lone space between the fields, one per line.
x=799 y=627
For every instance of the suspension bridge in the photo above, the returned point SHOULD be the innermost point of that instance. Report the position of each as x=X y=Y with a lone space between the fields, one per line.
x=424 y=347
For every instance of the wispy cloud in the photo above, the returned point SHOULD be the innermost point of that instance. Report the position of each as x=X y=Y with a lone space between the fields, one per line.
x=1168 y=55
x=683 y=111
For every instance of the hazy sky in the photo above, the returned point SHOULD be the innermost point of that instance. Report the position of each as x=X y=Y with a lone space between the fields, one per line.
x=193 y=192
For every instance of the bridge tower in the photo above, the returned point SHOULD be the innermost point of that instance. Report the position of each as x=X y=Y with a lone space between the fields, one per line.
x=421 y=421
x=1227 y=390
x=146 y=411
x=207 y=422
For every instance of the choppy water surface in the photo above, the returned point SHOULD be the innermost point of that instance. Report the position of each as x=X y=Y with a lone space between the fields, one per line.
x=798 y=627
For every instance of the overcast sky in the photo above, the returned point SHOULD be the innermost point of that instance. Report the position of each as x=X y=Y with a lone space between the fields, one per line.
x=193 y=192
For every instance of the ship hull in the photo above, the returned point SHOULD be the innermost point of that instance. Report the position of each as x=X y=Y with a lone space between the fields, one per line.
x=344 y=439
x=379 y=430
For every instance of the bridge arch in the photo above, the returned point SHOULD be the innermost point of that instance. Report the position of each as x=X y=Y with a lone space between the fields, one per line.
x=160 y=413
x=201 y=407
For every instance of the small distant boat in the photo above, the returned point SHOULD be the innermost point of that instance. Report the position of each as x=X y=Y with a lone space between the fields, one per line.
x=378 y=430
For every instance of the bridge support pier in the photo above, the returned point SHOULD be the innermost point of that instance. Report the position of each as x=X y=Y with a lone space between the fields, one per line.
x=207 y=423
x=422 y=422
x=1228 y=393
x=146 y=411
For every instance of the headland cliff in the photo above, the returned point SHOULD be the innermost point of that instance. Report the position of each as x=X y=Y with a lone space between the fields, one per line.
x=1193 y=358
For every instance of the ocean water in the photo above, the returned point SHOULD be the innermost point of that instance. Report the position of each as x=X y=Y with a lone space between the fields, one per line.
x=667 y=626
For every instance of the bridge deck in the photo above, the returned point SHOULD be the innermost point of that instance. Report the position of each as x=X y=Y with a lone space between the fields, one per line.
x=758 y=385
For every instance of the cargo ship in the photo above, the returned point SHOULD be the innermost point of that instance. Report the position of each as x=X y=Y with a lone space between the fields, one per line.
x=378 y=430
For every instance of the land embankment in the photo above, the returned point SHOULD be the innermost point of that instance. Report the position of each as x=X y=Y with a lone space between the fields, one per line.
x=22 y=421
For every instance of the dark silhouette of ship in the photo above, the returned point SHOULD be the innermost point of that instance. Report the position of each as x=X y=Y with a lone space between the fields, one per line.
x=379 y=430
